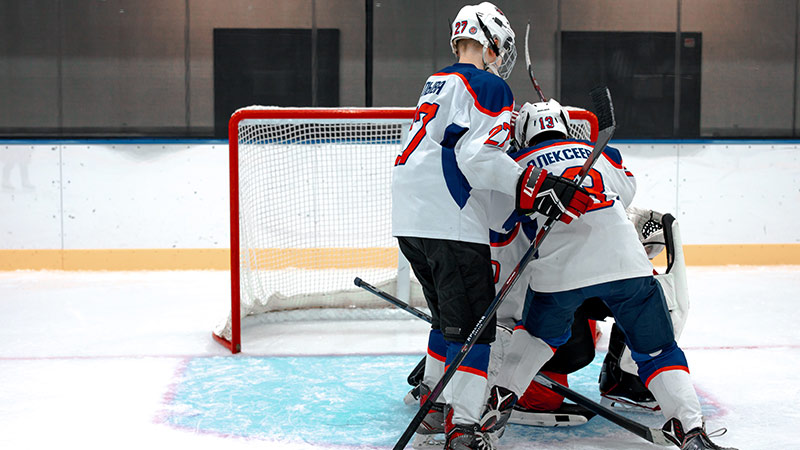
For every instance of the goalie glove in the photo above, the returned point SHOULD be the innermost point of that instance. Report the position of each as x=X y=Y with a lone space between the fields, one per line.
x=552 y=196
x=649 y=228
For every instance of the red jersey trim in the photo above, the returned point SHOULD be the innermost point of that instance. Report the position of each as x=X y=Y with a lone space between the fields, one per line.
x=474 y=95
x=510 y=238
x=664 y=369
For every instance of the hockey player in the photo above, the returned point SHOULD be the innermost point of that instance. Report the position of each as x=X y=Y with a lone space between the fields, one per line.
x=619 y=385
x=453 y=161
x=599 y=256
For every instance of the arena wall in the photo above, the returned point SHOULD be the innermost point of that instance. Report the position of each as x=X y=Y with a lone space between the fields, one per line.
x=163 y=205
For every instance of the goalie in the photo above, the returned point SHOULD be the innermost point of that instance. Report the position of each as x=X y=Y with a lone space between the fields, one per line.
x=619 y=383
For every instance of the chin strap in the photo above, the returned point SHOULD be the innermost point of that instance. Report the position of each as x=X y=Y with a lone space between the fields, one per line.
x=491 y=67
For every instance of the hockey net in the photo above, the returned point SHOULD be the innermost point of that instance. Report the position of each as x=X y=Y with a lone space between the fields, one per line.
x=310 y=210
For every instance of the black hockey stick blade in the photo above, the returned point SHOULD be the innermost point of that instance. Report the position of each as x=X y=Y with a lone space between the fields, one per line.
x=604 y=110
x=603 y=107
x=654 y=435
x=530 y=67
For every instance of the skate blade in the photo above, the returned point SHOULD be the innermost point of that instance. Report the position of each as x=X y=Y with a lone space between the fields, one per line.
x=428 y=441
x=610 y=401
x=545 y=419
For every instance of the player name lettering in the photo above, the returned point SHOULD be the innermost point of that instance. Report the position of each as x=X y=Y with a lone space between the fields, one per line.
x=433 y=87
x=560 y=155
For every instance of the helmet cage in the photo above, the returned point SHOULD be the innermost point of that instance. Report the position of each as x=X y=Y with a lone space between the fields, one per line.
x=507 y=55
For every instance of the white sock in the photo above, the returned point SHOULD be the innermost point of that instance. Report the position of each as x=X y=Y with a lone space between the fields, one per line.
x=675 y=394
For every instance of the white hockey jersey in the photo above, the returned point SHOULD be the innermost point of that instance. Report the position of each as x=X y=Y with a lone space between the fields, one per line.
x=454 y=157
x=600 y=246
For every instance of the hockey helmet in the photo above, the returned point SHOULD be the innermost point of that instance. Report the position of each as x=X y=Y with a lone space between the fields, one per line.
x=487 y=24
x=536 y=118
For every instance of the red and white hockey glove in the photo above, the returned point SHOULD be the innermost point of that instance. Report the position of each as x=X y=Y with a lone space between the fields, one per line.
x=553 y=196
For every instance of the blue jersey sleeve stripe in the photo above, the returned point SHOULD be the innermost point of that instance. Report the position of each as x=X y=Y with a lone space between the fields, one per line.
x=502 y=239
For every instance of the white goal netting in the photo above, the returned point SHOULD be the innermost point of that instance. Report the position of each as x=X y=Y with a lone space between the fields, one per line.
x=312 y=194
x=314 y=206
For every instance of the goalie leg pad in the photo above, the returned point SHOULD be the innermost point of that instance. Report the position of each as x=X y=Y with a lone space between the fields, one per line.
x=539 y=398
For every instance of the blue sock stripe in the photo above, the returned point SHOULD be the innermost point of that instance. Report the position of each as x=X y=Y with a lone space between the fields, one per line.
x=671 y=356
x=477 y=359
x=437 y=344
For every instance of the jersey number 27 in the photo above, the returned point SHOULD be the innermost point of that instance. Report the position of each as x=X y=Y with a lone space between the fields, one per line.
x=425 y=113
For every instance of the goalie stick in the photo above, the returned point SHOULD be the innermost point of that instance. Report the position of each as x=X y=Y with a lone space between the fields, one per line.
x=601 y=98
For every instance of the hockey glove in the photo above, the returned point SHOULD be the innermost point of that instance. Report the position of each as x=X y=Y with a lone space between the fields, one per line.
x=553 y=196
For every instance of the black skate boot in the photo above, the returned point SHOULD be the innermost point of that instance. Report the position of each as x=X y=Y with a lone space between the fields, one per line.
x=467 y=437
x=433 y=423
x=498 y=409
x=619 y=388
x=694 y=439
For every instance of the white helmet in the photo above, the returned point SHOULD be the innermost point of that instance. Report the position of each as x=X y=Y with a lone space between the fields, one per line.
x=488 y=25
x=535 y=118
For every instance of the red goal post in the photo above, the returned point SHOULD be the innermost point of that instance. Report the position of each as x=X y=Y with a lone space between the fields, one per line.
x=310 y=209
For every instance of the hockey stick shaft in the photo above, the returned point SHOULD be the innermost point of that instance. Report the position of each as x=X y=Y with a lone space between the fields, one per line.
x=391 y=299
x=530 y=67
x=653 y=435
x=605 y=117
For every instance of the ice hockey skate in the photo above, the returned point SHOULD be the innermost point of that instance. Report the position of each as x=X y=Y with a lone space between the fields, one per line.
x=433 y=423
x=618 y=388
x=694 y=439
x=467 y=437
x=625 y=391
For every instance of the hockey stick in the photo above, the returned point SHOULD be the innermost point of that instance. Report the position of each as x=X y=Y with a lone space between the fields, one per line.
x=654 y=435
x=395 y=301
x=530 y=67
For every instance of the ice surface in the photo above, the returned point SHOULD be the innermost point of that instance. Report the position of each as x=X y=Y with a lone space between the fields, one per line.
x=126 y=360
